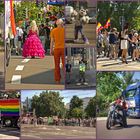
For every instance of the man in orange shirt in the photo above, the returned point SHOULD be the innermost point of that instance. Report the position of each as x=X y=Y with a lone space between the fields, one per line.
x=57 y=48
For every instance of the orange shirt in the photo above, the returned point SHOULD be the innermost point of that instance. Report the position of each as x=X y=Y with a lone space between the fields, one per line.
x=58 y=35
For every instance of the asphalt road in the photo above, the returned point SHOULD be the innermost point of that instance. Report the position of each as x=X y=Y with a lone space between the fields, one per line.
x=57 y=132
x=117 y=132
x=2 y=70
x=9 y=133
x=89 y=31
x=32 y=74
x=105 y=64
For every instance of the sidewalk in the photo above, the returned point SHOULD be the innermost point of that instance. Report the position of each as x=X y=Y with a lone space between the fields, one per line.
x=1 y=48
x=101 y=118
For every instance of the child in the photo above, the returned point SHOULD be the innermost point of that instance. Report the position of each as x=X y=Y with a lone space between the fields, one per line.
x=68 y=72
x=82 y=70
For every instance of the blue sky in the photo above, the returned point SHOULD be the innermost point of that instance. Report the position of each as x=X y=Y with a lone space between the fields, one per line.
x=136 y=75
x=67 y=94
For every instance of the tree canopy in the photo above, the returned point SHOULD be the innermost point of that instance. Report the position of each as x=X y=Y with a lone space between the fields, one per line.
x=114 y=11
x=34 y=11
x=48 y=103
x=90 y=110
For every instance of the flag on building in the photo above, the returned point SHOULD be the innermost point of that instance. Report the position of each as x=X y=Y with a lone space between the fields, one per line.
x=107 y=24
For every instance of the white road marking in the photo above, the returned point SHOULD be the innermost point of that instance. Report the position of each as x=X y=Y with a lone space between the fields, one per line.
x=58 y=129
x=16 y=79
x=2 y=136
x=19 y=67
x=25 y=60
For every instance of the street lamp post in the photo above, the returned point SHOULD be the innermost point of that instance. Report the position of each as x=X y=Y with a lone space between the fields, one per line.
x=123 y=19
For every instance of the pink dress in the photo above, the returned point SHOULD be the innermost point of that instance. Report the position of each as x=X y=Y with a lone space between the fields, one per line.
x=33 y=46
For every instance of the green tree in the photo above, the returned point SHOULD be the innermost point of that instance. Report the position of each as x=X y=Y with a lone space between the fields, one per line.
x=76 y=107
x=1 y=6
x=91 y=108
x=77 y=112
x=34 y=11
x=127 y=78
x=76 y=102
x=48 y=103
x=109 y=87
x=115 y=10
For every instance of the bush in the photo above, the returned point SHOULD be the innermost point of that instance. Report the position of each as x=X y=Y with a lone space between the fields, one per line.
x=102 y=114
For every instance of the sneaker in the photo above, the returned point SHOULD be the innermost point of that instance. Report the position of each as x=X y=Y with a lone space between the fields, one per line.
x=85 y=83
x=76 y=40
x=79 y=84
x=87 y=42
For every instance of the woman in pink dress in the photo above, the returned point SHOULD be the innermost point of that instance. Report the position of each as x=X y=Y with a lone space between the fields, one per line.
x=33 y=46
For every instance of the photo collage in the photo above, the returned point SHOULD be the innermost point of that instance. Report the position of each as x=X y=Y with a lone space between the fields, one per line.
x=70 y=69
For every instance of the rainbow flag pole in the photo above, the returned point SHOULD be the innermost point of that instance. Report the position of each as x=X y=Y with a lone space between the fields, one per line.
x=12 y=18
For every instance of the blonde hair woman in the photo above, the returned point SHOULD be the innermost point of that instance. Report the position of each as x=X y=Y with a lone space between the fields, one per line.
x=33 y=46
x=33 y=26
x=135 y=47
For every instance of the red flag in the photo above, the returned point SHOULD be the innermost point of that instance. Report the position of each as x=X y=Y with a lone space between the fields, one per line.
x=107 y=24
x=12 y=18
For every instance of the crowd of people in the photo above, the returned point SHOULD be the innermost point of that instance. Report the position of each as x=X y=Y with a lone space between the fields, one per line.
x=90 y=122
x=119 y=45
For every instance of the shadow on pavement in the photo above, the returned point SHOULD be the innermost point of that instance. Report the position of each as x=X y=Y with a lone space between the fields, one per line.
x=133 y=125
x=129 y=126
x=10 y=132
x=42 y=78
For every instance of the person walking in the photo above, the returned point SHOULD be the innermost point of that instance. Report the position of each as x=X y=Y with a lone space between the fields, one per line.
x=33 y=46
x=42 y=34
x=135 y=47
x=124 y=44
x=18 y=39
x=113 y=42
x=68 y=72
x=57 y=48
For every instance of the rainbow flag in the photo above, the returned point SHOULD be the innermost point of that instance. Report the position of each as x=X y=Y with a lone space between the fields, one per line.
x=99 y=27
x=108 y=23
x=9 y=107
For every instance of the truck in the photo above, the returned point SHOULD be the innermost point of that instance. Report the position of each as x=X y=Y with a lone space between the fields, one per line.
x=132 y=96
x=10 y=112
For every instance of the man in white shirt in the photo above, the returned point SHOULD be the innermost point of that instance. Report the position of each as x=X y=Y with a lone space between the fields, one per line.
x=18 y=39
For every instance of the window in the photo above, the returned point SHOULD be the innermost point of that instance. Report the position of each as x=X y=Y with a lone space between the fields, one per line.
x=130 y=93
